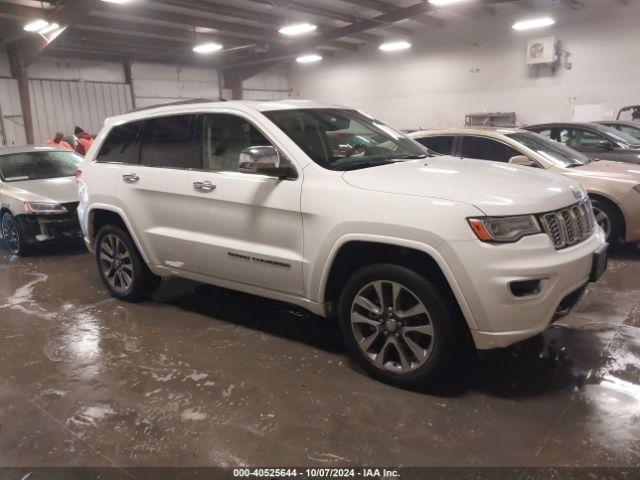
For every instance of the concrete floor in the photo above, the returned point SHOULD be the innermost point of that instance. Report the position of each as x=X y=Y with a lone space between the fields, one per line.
x=206 y=377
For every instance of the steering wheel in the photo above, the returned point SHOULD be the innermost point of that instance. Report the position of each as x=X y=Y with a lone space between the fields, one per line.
x=356 y=149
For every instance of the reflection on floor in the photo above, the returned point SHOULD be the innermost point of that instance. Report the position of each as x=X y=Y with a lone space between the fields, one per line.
x=205 y=376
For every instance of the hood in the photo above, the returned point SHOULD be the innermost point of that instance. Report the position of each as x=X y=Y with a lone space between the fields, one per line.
x=606 y=169
x=495 y=188
x=50 y=190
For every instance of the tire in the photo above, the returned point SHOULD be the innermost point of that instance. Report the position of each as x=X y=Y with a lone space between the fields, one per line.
x=431 y=353
x=13 y=235
x=608 y=214
x=126 y=276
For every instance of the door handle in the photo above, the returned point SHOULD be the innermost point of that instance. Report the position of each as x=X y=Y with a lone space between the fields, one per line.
x=131 y=178
x=204 y=186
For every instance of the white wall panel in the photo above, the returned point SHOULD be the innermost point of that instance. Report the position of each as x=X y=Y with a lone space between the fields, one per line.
x=12 y=123
x=60 y=105
x=155 y=83
x=478 y=65
x=72 y=69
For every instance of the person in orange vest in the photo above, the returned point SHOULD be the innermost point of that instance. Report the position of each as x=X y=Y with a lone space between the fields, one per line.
x=85 y=141
x=59 y=142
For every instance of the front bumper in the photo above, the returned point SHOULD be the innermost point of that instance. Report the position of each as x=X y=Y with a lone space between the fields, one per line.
x=42 y=228
x=485 y=272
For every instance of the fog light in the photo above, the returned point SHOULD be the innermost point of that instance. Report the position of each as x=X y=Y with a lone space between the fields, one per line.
x=525 y=288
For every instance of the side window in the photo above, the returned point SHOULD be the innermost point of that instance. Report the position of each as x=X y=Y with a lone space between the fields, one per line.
x=486 y=149
x=546 y=133
x=441 y=144
x=224 y=136
x=579 y=138
x=122 y=144
x=167 y=142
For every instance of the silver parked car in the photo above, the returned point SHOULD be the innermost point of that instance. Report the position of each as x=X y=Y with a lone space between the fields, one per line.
x=38 y=196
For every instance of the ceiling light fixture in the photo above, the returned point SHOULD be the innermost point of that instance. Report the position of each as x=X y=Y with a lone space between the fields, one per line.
x=52 y=27
x=297 y=29
x=533 y=23
x=36 y=25
x=314 y=57
x=441 y=3
x=209 y=47
x=394 y=46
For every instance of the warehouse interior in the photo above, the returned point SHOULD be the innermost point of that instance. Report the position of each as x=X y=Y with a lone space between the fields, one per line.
x=207 y=373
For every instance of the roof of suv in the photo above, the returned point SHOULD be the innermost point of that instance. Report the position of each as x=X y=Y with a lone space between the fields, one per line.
x=200 y=104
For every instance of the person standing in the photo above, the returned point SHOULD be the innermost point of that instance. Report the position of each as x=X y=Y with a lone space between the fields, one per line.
x=58 y=141
x=84 y=141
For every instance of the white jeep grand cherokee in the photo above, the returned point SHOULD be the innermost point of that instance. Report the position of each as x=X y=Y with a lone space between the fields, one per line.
x=334 y=211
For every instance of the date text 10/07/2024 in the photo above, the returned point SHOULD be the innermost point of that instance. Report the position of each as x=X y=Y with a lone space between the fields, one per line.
x=316 y=472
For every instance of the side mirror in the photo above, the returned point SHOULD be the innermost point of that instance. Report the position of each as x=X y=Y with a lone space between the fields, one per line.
x=605 y=145
x=263 y=160
x=521 y=160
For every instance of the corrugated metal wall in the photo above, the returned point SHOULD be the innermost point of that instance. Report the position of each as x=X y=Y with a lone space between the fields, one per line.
x=60 y=105
x=11 y=123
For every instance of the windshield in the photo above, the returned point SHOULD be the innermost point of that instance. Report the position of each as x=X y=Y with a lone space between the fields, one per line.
x=345 y=139
x=618 y=136
x=629 y=129
x=554 y=152
x=19 y=167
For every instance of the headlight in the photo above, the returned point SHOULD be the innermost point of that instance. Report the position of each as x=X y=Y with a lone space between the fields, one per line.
x=504 y=229
x=35 y=208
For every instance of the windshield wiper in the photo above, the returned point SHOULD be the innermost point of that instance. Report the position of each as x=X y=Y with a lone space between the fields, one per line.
x=366 y=164
x=414 y=156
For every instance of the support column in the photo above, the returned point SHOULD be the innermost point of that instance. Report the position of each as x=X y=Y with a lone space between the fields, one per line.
x=19 y=72
x=233 y=81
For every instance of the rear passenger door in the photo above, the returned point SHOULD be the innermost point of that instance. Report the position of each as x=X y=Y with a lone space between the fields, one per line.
x=155 y=193
x=485 y=148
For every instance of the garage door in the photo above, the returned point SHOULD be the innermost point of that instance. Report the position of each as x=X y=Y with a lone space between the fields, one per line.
x=60 y=105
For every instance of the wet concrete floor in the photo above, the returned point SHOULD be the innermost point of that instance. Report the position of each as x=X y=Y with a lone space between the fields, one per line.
x=200 y=376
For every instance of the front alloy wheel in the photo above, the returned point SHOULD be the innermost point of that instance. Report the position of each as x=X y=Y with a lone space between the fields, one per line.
x=399 y=326
x=392 y=326
x=12 y=235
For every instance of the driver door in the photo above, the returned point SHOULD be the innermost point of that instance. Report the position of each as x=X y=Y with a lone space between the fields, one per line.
x=247 y=227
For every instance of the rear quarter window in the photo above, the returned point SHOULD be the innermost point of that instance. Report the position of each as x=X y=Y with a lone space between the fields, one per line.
x=122 y=144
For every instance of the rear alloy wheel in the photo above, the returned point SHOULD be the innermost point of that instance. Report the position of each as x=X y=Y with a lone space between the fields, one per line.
x=121 y=266
x=13 y=236
x=116 y=263
x=400 y=327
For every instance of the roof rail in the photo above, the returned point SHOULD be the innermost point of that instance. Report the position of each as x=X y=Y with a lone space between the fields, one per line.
x=177 y=103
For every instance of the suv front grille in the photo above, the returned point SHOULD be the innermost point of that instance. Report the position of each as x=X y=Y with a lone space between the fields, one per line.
x=569 y=226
